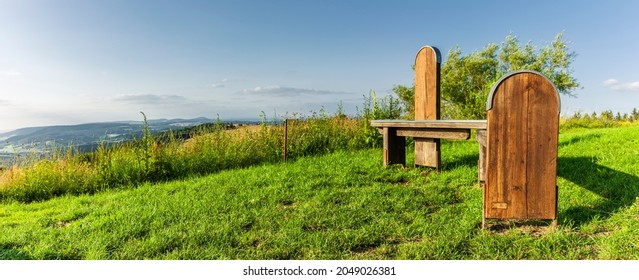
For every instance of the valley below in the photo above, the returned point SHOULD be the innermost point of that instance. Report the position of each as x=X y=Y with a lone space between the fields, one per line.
x=37 y=142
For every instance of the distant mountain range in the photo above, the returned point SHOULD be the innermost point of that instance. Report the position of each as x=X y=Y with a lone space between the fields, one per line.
x=86 y=137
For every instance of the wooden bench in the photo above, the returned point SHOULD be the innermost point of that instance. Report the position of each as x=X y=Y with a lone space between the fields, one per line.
x=427 y=129
x=394 y=133
x=517 y=142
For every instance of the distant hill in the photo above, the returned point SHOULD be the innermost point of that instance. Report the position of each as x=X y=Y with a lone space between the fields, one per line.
x=86 y=137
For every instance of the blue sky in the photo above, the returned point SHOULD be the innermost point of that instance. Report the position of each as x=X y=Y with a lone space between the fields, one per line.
x=77 y=61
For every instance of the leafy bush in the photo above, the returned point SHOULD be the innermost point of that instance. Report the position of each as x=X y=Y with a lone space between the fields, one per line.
x=377 y=109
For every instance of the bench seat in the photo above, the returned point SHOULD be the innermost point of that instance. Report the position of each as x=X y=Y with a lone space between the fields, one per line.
x=436 y=129
x=395 y=131
x=464 y=124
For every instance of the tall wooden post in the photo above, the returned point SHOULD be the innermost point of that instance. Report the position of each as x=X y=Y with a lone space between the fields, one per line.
x=427 y=100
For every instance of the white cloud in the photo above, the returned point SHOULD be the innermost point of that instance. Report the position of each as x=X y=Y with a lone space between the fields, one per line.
x=232 y=80
x=11 y=73
x=261 y=89
x=634 y=86
x=614 y=84
x=290 y=91
x=222 y=83
x=610 y=82
x=149 y=99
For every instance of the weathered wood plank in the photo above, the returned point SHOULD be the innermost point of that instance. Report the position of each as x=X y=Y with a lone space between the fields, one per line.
x=427 y=94
x=506 y=177
x=427 y=152
x=515 y=134
x=394 y=147
x=456 y=134
x=543 y=133
x=481 y=164
x=464 y=124
x=433 y=133
x=427 y=100
x=521 y=155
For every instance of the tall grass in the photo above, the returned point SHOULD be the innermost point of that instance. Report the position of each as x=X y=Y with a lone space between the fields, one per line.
x=213 y=148
x=209 y=150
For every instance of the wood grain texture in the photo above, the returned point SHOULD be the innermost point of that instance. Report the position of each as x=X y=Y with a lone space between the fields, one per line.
x=521 y=155
x=543 y=133
x=506 y=177
x=464 y=124
x=427 y=95
x=481 y=163
x=434 y=133
x=455 y=134
x=427 y=104
x=394 y=147
x=427 y=152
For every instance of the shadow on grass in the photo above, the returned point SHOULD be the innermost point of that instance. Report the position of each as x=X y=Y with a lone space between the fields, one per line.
x=465 y=160
x=9 y=251
x=618 y=189
x=574 y=140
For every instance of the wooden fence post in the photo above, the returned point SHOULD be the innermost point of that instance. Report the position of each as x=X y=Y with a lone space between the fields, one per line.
x=285 y=137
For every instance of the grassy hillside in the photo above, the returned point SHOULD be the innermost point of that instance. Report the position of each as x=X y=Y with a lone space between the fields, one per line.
x=165 y=157
x=344 y=205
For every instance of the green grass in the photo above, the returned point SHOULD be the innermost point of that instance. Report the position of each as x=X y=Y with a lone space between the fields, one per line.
x=159 y=160
x=209 y=149
x=343 y=205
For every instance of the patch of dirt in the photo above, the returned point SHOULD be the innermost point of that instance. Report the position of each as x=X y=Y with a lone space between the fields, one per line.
x=62 y=224
x=532 y=228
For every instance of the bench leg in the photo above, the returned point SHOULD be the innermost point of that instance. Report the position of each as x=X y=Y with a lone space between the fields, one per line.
x=481 y=165
x=427 y=152
x=483 y=209
x=394 y=147
x=554 y=222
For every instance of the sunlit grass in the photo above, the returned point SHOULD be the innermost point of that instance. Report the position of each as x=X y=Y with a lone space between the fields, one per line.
x=226 y=194
x=151 y=160
x=342 y=205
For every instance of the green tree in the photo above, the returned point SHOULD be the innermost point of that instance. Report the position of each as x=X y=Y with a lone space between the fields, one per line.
x=607 y=115
x=406 y=96
x=467 y=79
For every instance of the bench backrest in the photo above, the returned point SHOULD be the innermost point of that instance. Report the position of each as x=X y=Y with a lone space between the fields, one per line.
x=427 y=103
x=523 y=129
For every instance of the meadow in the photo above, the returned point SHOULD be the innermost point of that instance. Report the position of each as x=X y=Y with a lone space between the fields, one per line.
x=165 y=158
x=227 y=195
